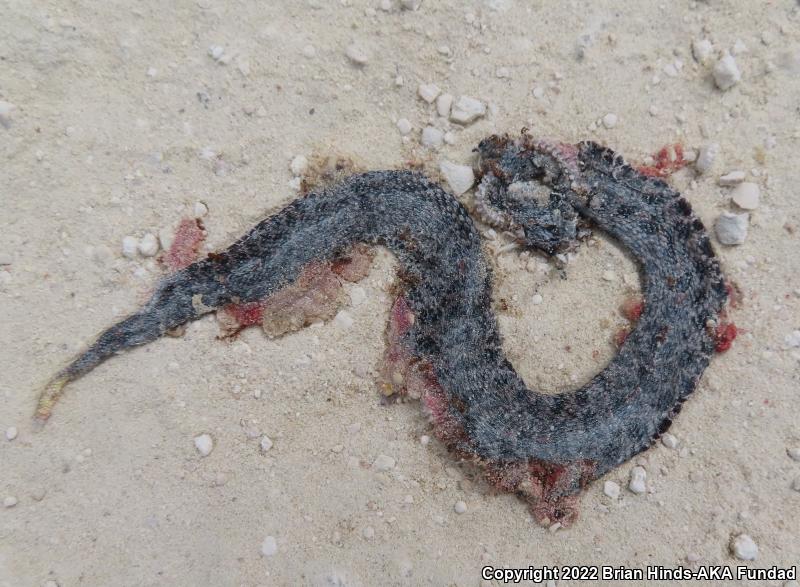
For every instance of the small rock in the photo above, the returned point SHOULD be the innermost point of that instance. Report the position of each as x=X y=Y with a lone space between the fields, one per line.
x=726 y=72
x=611 y=489
x=11 y=433
x=609 y=276
x=610 y=120
x=309 y=51
x=216 y=52
x=130 y=246
x=459 y=177
x=5 y=113
x=148 y=246
x=432 y=137
x=731 y=228
x=443 y=104
x=503 y=73
x=467 y=110
x=404 y=126
x=744 y=548
x=200 y=210
x=792 y=339
x=460 y=507
x=702 y=50
x=269 y=547
x=669 y=440
x=732 y=178
x=638 y=480
x=299 y=165
x=368 y=532
x=537 y=299
x=706 y=157
x=794 y=453
x=746 y=195
x=383 y=463
x=204 y=444
x=424 y=440
x=265 y=443
x=356 y=54
x=357 y=295
x=9 y=501
x=343 y=319
x=796 y=484
x=428 y=92
x=410 y=4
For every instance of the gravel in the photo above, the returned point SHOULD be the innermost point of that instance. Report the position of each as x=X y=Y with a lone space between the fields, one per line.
x=467 y=110
x=794 y=453
x=204 y=444
x=611 y=489
x=746 y=195
x=443 y=105
x=460 y=178
x=269 y=547
x=299 y=165
x=130 y=247
x=432 y=137
x=706 y=157
x=356 y=54
x=10 y=501
x=744 y=548
x=11 y=433
x=610 y=120
x=428 y=92
x=638 y=481
x=732 y=178
x=731 y=229
x=669 y=440
x=460 y=507
x=404 y=126
x=265 y=444
x=726 y=72
x=148 y=246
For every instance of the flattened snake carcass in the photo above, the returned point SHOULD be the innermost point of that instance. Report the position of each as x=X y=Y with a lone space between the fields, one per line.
x=444 y=345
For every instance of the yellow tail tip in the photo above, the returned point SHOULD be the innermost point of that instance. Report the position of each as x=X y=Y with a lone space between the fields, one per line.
x=48 y=398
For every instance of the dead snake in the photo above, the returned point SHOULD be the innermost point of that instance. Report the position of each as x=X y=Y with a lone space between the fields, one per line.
x=445 y=346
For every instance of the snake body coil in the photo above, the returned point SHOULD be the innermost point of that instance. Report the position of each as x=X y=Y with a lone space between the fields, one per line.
x=543 y=447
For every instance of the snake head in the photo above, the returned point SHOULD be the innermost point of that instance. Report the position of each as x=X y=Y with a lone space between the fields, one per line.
x=525 y=188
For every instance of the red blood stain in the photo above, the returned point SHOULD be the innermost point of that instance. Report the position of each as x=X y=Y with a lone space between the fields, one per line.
x=724 y=336
x=183 y=251
x=668 y=160
x=632 y=308
x=401 y=318
x=248 y=314
x=620 y=336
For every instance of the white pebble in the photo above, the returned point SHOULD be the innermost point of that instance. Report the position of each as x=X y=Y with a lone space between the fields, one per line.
x=796 y=484
x=537 y=299
x=460 y=507
x=356 y=54
x=432 y=137
x=746 y=195
x=410 y=4
x=449 y=138
x=10 y=501
x=443 y=104
x=503 y=72
x=669 y=440
x=265 y=443
x=383 y=463
x=610 y=120
x=731 y=228
x=702 y=50
x=343 y=319
x=152 y=72
x=130 y=246
x=459 y=177
x=200 y=210
x=609 y=276
x=638 y=484
x=744 y=548
x=467 y=110
x=309 y=51
x=299 y=165
x=11 y=433
x=706 y=157
x=732 y=178
x=792 y=339
x=611 y=489
x=357 y=295
x=794 y=453
x=204 y=444
x=5 y=113
x=428 y=92
x=726 y=72
x=368 y=532
x=269 y=547
x=404 y=126
x=424 y=440
x=166 y=236
x=148 y=246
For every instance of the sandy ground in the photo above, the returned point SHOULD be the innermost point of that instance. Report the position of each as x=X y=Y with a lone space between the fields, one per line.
x=122 y=121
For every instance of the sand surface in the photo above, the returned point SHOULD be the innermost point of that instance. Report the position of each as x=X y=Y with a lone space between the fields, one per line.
x=122 y=120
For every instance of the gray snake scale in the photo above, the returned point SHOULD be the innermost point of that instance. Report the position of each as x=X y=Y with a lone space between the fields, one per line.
x=545 y=448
